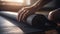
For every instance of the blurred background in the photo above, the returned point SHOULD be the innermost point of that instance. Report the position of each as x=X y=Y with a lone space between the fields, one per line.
x=15 y=5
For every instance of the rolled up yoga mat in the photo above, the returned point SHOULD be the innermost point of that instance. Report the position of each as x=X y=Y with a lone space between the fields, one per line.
x=37 y=20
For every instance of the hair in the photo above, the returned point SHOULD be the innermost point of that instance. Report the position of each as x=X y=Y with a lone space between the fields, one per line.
x=54 y=15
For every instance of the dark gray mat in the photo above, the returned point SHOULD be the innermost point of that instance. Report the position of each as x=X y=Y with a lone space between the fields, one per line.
x=13 y=27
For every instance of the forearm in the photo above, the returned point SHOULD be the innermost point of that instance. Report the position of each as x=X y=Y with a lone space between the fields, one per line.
x=39 y=4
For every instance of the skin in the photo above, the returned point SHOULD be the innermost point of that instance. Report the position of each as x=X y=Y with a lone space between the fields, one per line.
x=27 y=11
x=55 y=16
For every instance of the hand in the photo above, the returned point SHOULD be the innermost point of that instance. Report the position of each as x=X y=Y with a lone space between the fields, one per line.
x=24 y=13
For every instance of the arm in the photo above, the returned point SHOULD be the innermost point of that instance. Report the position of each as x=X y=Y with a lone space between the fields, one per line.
x=39 y=4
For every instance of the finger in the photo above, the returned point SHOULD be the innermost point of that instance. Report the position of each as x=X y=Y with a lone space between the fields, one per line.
x=20 y=16
x=25 y=16
x=19 y=13
x=28 y=13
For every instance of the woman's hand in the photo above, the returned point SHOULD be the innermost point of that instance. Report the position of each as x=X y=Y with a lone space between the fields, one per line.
x=24 y=13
